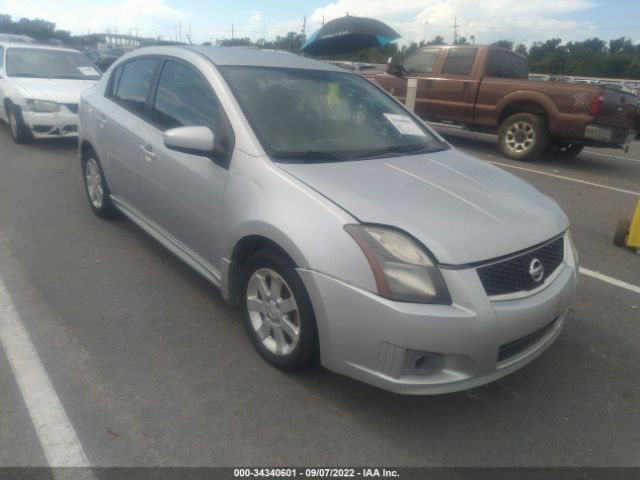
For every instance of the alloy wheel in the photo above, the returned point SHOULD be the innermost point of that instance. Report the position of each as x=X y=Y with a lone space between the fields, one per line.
x=273 y=311
x=520 y=137
x=93 y=180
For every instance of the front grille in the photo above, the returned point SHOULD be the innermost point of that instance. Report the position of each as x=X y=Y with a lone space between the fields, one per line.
x=512 y=275
x=73 y=107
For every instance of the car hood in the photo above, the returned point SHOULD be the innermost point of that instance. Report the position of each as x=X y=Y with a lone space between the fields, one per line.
x=462 y=209
x=54 y=90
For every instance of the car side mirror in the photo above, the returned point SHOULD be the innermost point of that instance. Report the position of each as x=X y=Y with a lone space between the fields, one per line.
x=193 y=140
x=394 y=68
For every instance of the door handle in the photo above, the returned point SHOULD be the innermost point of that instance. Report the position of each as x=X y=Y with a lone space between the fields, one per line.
x=149 y=154
x=102 y=119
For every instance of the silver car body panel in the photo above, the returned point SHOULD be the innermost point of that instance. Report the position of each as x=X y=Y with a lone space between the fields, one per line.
x=461 y=209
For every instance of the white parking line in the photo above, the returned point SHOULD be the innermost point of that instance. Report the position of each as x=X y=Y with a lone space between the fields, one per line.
x=576 y=180
x=612 y=156
x=55 y=432
x=610 y=280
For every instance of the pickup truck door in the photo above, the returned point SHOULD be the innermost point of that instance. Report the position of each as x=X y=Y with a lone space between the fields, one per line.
x=451 y=94
x=420 y=65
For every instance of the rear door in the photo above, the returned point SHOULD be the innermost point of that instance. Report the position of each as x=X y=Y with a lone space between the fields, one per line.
x=121 y=117
x=452 y=93
x=183 y=193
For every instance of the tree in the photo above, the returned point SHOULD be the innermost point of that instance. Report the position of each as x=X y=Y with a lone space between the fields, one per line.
x=461 y=41
x=508 y=44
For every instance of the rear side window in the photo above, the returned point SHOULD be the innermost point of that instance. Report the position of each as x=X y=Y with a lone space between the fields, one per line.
x=184 y=99
x=422 y=62
x=505 y=64
x=459 y=61
x=134 y=83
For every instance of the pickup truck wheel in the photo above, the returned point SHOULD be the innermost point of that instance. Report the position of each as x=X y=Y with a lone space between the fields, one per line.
x=19 y=131
x=566 y=149
x=523 y=136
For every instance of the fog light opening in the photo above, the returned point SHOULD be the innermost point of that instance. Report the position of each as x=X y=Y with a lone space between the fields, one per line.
x=428 y=364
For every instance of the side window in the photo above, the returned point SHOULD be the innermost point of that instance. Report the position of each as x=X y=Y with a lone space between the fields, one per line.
x=422 y=62
x=134 y=83
x=184 y=99
x=459 y=61
x=507 y=65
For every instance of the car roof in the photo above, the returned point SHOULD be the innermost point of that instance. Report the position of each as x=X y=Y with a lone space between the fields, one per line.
x=246 y=56
x=36 y=46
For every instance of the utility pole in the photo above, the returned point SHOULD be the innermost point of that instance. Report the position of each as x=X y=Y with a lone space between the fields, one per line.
x=455 y=30
x=426 y=24
x=304 y=27
x=232 y=33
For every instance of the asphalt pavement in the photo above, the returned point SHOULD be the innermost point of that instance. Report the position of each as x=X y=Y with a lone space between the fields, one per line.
x=153 y=368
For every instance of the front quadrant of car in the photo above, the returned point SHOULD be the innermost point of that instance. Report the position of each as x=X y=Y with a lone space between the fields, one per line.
x=415 y=348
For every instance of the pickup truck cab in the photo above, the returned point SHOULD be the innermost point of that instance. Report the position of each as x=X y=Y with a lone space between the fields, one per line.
x=486 y=88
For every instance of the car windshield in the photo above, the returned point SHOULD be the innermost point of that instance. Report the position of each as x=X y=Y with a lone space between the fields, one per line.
x=46 y=63
x=315 y=115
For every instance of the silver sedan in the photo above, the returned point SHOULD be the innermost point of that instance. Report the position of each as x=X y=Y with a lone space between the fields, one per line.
x=349 y=233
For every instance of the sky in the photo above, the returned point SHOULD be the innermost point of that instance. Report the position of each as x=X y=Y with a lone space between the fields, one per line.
x=521 y=21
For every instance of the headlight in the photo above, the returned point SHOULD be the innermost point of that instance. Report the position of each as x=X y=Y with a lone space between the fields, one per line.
x=43 y=106
x=402 y=269
x=573 y=248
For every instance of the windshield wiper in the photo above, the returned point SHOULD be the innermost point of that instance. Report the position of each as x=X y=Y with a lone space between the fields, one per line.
x=398 y=149
x=311 y=155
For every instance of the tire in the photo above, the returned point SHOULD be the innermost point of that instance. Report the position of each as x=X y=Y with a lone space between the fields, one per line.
x=568 y=150
x=95 y=186
x=281 y=326
x=18 y=129
x=620 y=235
x=523 y=137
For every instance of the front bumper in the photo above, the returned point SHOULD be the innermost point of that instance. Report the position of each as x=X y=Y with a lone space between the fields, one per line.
x=474 y=341
x=617 y=137
x=52 y=125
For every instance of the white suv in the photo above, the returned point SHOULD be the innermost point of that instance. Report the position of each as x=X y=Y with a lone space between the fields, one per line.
x=40 y=89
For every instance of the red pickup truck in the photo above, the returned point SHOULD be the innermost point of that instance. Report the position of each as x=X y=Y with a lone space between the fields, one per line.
x=486 y=88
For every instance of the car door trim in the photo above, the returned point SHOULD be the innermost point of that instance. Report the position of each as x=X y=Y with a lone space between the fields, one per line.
x=187 y=255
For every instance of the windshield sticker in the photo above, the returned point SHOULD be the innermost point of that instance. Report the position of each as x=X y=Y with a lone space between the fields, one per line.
x=88 y=71
x=404 y=125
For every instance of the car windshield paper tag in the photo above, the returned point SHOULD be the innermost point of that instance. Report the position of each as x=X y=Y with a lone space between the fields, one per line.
x=404 y=125
x=88 y=71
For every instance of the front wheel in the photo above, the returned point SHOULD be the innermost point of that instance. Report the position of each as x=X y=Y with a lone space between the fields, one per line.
x=278 y=315
x=19 y=130
x=523 y=136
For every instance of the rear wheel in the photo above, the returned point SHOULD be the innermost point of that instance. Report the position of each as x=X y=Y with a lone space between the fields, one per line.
x=278 y=315
x=19 y=130
x=95 y=186
x=523 y=136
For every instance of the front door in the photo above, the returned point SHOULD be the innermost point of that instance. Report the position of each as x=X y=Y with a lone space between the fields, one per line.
x=183 y=193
